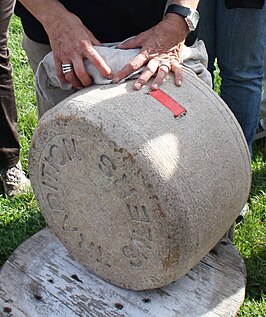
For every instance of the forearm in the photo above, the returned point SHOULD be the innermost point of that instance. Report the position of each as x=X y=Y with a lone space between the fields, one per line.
x=47 y=12
x=57 y=21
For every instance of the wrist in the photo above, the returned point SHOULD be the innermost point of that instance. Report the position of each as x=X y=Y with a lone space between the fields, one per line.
x=51 y=19
x=63 y=24
x=178 y=23
x=190 y=15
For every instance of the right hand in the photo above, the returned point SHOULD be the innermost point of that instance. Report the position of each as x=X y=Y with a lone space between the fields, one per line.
x=160 y=45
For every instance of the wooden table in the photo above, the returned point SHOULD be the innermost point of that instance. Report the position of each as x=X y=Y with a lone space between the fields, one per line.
x=40 y=279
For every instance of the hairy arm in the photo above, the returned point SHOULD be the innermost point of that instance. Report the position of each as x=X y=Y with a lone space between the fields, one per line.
x=70 y=40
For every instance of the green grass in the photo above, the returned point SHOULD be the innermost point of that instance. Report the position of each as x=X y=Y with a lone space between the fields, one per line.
x=19 y=219
x=250 y=239
x=20 y=216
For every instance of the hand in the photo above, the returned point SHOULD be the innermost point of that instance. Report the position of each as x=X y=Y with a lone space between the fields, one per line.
x=72 y=42
x=161 y=49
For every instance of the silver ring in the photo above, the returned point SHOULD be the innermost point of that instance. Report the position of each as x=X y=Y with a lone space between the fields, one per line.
x=166 y=65
x=66 y=68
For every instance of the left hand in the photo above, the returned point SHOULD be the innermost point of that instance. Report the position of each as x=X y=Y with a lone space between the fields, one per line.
x=161 y=51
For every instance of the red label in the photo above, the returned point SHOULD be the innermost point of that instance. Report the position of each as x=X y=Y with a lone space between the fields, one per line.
x=168 y=102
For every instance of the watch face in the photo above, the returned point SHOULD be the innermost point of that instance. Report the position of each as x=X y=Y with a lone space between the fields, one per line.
x=192 y=20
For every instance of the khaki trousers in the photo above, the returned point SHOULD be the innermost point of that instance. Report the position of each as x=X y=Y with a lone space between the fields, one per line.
x=35 y=52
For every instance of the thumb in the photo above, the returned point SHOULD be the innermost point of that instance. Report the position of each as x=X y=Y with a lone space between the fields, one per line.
x=133 y=42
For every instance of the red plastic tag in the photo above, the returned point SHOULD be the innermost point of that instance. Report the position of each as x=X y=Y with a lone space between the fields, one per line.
x=168 y=102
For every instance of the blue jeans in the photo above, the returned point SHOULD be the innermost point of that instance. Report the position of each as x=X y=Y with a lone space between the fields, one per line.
x=263 y=102
x=237 y=38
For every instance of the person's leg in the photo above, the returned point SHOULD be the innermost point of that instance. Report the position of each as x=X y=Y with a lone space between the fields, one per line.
x=209 y=33
x=35 y=53
x=12 y=177
x=207 y=29
x=240 y=52
x=263 y=109
x=261 y=128
x=263 y=102
x=9 y=141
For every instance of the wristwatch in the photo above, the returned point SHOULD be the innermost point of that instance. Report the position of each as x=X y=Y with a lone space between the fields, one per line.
x=191 y=16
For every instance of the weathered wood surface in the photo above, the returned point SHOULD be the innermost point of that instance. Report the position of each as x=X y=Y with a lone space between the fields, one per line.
x=40 y=279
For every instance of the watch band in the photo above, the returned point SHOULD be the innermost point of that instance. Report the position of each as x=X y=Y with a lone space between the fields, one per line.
x=177 y=9
x=191 y=16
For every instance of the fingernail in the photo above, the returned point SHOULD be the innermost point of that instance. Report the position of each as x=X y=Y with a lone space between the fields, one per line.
x=115 y=80
x=137 y=86
x=179 y=83
x=110 y=76
x=155 y=86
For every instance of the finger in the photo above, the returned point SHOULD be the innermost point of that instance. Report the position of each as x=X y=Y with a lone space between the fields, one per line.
x=58 y=69
x=137 y=62
x=93 y=39
x=163 y=71
x=177 y=69
x=94 y=57
x=131 y=43
x=80 y=74
x=73 y=79
x=148 y=72
x=76 y=75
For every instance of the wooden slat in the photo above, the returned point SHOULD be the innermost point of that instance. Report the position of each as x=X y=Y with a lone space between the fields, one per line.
x=40 y=279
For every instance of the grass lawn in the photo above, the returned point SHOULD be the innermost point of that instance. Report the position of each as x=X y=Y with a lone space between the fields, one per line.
x=20 y=217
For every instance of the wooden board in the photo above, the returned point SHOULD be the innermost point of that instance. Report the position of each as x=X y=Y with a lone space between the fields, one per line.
x=40 y=279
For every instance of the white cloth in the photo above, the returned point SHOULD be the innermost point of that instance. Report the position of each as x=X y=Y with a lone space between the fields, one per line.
x=52 y=90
